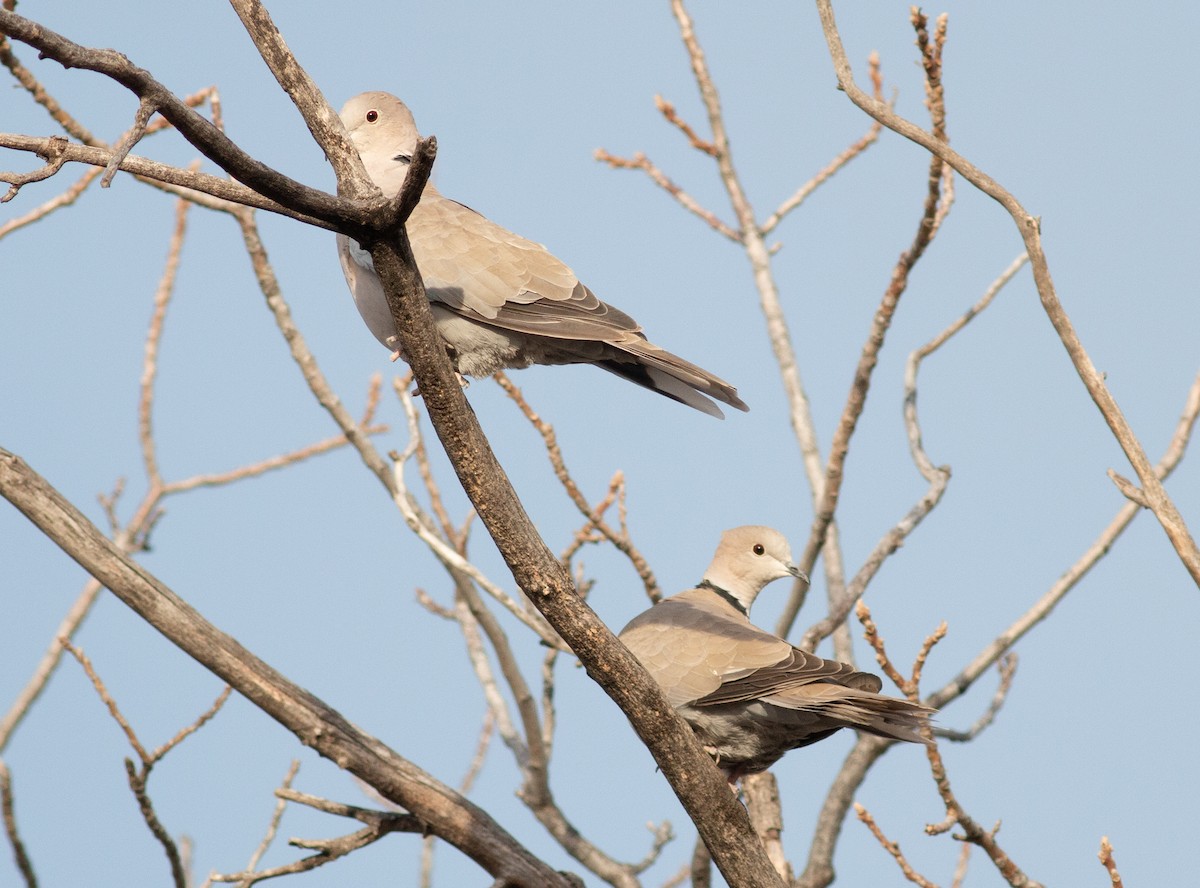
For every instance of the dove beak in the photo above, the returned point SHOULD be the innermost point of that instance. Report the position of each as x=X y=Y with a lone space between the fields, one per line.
x=797 y=572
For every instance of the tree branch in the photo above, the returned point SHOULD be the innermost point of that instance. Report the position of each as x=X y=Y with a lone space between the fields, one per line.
x=1029 y=228
x=454 y=818
x=722 y=821
x=201 y=133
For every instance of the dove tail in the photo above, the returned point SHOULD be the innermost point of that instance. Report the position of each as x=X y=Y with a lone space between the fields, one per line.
x=673 y=377
x=888 y=717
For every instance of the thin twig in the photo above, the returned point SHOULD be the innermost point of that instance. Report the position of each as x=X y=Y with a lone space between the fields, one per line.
x=141 y=120
x=955 y=813
x=1008 y=669
x=65 y=199
x=137 y=782
x=456 y=537
x=378 y=825
x=672 y=116
x=892 y=848
x=960 y=868
x=317 y=383
x=276 y=817
x=834 y=166
x=1106 y=858
x=139 y=776
x=881 y=322
x=876 y=641
x=270 y=464
x=183 y=733
x=620 y=539
x=8 y=811
x=465 y=614
x=1068 y=580
x=443 y=550
x=49 y=662
x=640 y=161
x=1029 y=228
x=162 y=298
x=972 y=831
x=107 y=699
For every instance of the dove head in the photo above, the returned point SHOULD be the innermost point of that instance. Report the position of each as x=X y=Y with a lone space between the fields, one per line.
x=382 y=129
x=749 y=558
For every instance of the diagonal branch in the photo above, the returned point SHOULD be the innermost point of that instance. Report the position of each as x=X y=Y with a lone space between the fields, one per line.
x=721 y=820
x=1076 y=572
x=881 y=321
x=447 y=813
x=326 y=127
x=1029 y=228
x=205 y=136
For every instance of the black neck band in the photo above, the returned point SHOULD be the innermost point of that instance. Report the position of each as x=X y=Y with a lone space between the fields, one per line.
x=727 y=595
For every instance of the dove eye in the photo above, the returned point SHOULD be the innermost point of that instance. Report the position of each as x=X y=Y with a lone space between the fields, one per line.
x=372 y=116
x=758 y=549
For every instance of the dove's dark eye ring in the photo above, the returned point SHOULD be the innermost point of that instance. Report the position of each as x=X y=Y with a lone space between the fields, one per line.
x=372 y=116
x=758 y=549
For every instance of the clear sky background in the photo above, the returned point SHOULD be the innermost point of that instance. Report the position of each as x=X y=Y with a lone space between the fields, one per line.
x=1081 y=111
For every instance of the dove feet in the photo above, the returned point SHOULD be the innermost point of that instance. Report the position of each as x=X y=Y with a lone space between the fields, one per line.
x=463 y=382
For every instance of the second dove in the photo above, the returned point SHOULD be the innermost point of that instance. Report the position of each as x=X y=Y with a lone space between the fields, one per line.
x=500 y=300
x=748 y=695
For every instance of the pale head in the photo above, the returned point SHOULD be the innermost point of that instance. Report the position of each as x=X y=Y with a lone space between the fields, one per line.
x=382 y=129
x=747 y=559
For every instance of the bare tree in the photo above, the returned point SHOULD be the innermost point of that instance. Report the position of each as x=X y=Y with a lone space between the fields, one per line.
x=514 y=638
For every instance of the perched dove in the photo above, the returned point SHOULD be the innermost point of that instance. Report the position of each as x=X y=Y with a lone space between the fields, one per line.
x=499 y=300
x=749 y=695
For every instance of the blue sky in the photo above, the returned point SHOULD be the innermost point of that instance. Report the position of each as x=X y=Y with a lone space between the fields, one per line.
x=1077 y=113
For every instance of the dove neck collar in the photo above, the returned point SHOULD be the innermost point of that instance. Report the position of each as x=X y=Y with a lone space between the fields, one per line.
x=727 y=595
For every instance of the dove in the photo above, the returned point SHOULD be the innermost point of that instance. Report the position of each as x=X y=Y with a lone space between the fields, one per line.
x=748 y=695
x=499 y=301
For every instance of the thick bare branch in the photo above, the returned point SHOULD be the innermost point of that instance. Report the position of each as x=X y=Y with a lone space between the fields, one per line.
x=324 y=124
x=704 y=794
x=201 y=133
x=446 y=813
x=762 y=802
x=197 y=183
